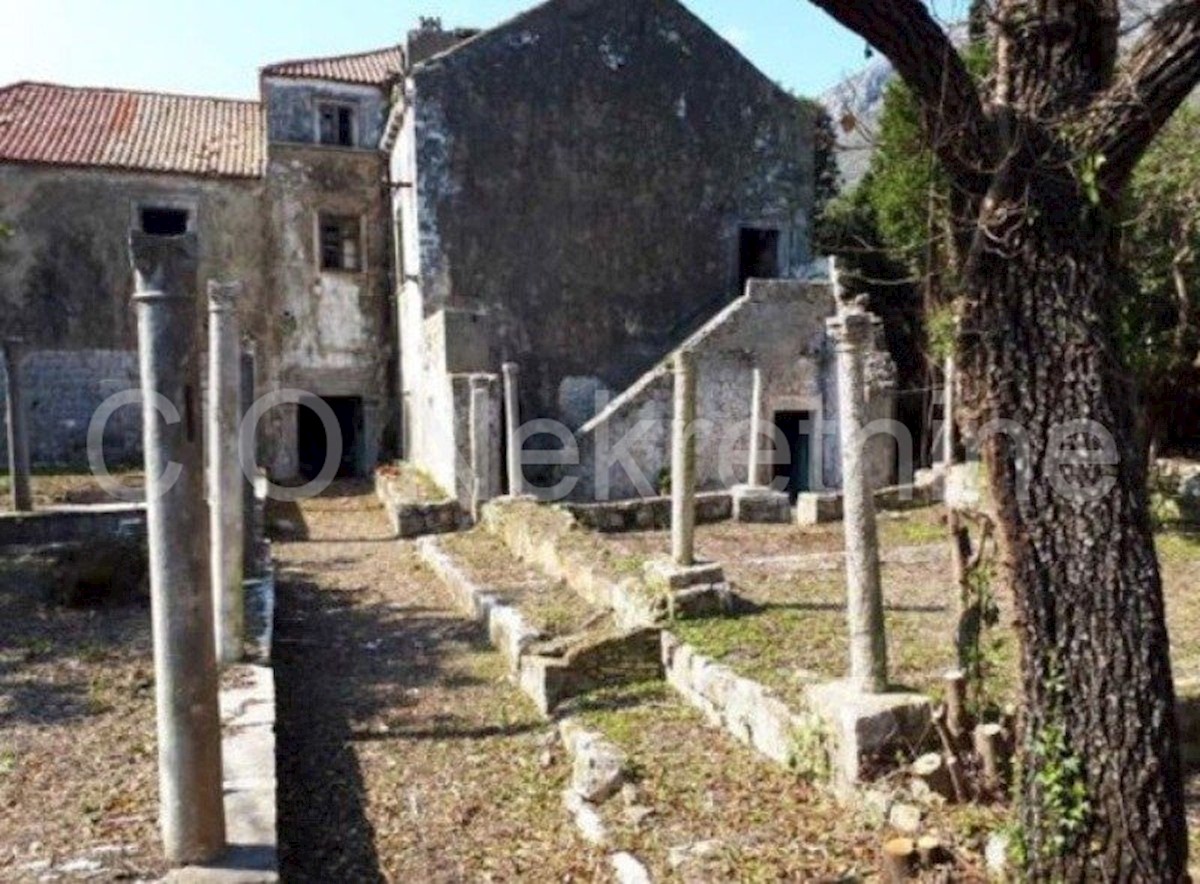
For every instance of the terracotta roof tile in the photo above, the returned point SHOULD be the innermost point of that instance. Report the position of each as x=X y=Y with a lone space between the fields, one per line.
x=144 y=131
x=377 y=68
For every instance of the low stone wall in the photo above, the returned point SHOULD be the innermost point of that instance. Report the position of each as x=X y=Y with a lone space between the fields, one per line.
x=833 y=737
x=549 y=672
x=648 y=514
x=76 y=524
x=818 y=509
x=248 y=758
x=744 y=708
x=550 y=538
x=415 y=518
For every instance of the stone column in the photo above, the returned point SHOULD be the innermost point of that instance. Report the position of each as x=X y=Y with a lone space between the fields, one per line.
x=225 y=496
x=683 y=462
x=512 y=425
x=853 y=332
x=754 y=467
x=185 y=664
x=481 y=440
x=18 y=429
x=249 y=459
x=948 y=410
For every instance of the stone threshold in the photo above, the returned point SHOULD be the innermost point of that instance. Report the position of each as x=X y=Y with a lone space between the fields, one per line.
x=549 y=671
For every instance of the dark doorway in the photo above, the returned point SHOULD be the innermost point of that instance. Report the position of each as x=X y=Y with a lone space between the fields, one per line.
x=797 y=429
x=313 y=444
x=758 y=255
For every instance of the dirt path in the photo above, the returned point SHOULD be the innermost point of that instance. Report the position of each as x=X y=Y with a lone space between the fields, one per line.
x=404 y=754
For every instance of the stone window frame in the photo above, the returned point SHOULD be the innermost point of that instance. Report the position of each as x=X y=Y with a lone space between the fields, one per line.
x=319 y=251
x=176 y=202
x=785 y=250
x=325 y=103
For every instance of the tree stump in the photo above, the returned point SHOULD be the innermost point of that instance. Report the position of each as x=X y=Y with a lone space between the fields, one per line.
x=931 y=769
x=899 y=860
x=995 y=752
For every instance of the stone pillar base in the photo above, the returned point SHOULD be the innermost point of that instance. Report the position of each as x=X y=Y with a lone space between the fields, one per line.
x=694 y=591
x=760 y=506
x=818 y=509
x=861 y=728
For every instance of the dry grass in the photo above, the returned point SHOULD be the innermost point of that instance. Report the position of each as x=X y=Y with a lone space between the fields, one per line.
x=765 y=823
x=78 y=785
x=548 y=606
x=55 y=489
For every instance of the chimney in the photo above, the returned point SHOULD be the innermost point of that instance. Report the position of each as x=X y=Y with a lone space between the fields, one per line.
x=430 y=39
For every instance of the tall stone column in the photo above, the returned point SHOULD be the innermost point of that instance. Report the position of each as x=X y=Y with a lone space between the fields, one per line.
x=754 y=467
x=18 y=429
x=481 y=444
x=512 y=426
x=683 y=462
x=249 y=460
x=853 y=332
x=192 y=814
x=226 y=501
x=949 y=397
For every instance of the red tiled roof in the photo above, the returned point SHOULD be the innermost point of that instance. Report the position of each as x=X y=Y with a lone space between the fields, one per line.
x=378 y=68
x=144 y=131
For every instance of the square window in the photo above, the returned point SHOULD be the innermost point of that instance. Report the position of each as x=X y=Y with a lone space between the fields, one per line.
x=336 y=125
x=341 y=243
x=161 y=221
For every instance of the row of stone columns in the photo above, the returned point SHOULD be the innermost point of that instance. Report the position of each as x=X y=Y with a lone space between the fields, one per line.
x=201 y=545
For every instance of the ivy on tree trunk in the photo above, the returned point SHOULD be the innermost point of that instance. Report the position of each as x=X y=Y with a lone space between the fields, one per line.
x=1039 y=161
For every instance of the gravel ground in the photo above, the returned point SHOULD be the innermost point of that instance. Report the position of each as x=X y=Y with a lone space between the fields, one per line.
x=78 y=775
x=70 y=488
x=404 y=754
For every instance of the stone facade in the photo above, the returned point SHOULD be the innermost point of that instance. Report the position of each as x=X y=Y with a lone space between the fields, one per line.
x=633 y=146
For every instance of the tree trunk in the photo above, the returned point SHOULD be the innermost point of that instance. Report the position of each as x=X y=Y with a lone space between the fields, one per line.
x=1101 y=787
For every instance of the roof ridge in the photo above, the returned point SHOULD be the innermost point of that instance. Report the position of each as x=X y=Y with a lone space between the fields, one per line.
x=119 y=90
x=391 y=47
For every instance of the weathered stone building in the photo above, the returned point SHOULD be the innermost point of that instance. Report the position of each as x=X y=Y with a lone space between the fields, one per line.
x=579 y=191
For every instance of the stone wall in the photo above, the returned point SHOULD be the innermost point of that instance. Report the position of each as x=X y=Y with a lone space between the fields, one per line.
x=63 y=390
x=98 y=525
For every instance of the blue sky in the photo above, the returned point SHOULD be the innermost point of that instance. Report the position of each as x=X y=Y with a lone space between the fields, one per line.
x=214 y=47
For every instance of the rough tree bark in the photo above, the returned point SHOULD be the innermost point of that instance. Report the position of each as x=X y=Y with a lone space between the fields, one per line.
x=1041 y=161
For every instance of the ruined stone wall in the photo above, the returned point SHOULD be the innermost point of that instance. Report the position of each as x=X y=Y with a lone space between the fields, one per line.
x=581 y=175
x=779 y=327
x=66 y=286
